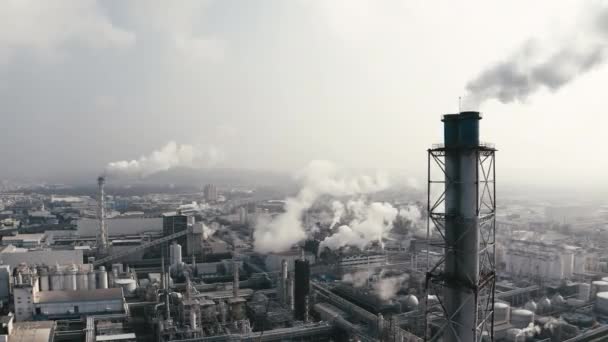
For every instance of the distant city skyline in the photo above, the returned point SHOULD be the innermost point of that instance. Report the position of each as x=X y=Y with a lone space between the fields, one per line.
x=272 y=85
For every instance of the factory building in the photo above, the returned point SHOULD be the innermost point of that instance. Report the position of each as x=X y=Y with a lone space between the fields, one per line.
x=210 y=193
x=70 y=304
x=24 y=240
x=175 y=223
x=274 y=260
x=533 y=259
x=362 y=260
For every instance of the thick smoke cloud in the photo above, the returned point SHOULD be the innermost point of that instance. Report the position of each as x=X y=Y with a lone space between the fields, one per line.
x=534 y=66
x=384 y=287
x=169 y=156
x=357 y=279
x=318 y=179
x=369 y=224
x=387 y=288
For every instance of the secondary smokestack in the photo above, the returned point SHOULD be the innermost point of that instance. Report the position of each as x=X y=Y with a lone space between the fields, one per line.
x=102 y=236
x=301 y=288
x=235 y=283
x=283 y=287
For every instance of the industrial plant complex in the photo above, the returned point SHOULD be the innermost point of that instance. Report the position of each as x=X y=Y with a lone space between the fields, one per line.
x=346 y=260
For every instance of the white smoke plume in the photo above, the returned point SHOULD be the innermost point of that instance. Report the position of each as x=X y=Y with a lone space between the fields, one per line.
x=208 y=231
x=338 y=209
x=319 y=178
x=169 y=156
x=550 y=66
x=387 y=288
x=413 y=214
x=357 y=279
x=370 y=223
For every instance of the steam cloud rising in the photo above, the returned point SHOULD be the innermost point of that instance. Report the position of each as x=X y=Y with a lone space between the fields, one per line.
x=169 y=156
x=370 y=223
x=533 y=67
x=319 y=178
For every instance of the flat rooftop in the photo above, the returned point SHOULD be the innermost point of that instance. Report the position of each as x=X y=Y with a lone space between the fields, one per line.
x=80 y=295
x=40 y=331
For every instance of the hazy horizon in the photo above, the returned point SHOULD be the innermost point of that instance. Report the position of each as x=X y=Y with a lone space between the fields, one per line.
x=272 y=85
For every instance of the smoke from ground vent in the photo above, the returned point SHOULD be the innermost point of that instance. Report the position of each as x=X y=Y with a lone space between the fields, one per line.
x=535 y=66
x=319 y=178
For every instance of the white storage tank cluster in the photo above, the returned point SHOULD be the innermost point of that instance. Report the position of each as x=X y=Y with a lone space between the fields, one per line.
x=502 y=313
x=521 y=318
x=601 y=303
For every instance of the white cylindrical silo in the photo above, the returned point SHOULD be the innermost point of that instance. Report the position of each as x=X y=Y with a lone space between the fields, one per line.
x=44 y=279
x=177 y=254
x=598 y=286
x=69 y=279
x=92 y=280
x=521 y=318
x=103 y=277
x=601 y=303
x=56 y=279
x=502 y=312
x=83 y=281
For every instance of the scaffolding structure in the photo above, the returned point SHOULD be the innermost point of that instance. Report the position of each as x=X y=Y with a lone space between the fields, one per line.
x=460 y=284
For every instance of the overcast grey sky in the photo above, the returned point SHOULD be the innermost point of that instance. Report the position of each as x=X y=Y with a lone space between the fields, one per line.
x=273 y=84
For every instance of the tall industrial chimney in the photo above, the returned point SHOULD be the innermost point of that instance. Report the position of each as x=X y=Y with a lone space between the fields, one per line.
x=463 y=216
x=102 y=236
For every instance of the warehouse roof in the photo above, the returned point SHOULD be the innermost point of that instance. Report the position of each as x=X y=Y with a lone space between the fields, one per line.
x=80 y=295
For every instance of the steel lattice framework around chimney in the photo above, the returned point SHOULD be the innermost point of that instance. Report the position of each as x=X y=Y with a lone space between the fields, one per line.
x=443 y=323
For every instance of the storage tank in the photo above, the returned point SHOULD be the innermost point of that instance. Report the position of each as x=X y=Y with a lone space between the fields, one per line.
x=92 y=279
x=128 y=285
x=584 y=291
x=601 y=303
x=502 y=313
x=531 y=306
x=521 y=318
x=409 y=303
x=515 y=335
x=176 y=256
x=544 y=305
x=69 y=279
x=103 y=277
x=44 y=279
x=56 y=279
x=558 y=300
x=83 y=281
x=598 y=286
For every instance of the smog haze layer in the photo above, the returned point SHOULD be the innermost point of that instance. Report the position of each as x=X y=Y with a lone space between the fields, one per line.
x=272 y=85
